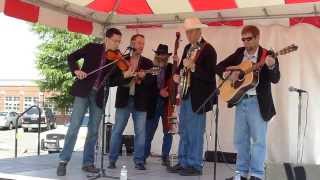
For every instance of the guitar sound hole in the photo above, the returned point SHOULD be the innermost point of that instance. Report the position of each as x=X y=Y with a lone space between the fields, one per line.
x=238 y=83
x=241 y=76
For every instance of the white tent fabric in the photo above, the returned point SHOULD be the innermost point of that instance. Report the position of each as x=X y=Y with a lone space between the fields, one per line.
x=299 y=69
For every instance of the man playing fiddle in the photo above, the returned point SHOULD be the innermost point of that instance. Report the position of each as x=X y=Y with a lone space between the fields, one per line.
x=88 y=92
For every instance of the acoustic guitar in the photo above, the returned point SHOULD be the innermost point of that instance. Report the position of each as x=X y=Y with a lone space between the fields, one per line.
x=232 y=91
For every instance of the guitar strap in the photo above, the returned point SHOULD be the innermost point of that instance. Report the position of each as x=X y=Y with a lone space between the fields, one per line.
x=262 y=59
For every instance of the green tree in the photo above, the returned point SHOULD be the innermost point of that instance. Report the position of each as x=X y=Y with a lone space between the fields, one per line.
x=51 y=61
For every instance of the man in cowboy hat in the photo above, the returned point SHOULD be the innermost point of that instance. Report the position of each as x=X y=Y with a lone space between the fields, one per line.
x=192 y=118
x=158 y=102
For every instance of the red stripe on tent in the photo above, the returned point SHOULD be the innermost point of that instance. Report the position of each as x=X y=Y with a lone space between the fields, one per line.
x=21 y=10
x=125 y=6
x=102 y=5
x=226 y=23
x=201 y=5
x=143 y=26
x=315 y=20
x=134 y=7
x=80 y=26
x=299 y=1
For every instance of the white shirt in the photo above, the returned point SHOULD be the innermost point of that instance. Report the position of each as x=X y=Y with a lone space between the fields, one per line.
x=254 y=59
x=190 y=49
x=134 y=64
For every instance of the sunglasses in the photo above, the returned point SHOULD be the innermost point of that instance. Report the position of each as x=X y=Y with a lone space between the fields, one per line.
x=247 y=39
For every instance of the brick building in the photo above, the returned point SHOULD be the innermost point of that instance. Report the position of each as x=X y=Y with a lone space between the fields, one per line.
x=18 y=95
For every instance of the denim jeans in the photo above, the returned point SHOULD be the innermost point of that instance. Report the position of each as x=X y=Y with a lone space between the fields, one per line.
x=151 y=127
x=80 y=106
x=250 y=138
x=191 y=130
x=121 y=119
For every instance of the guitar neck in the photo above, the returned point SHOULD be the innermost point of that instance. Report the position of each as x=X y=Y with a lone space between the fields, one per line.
x=283 y=51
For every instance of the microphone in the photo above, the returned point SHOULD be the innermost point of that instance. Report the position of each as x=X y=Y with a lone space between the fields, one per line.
x=131 y=48
x=291 y=89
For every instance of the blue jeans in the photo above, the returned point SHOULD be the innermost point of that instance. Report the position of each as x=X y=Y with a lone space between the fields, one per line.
x=121 y=119
x=250 y=138
x=151 y=127
x=191 y=130
x=80 y=106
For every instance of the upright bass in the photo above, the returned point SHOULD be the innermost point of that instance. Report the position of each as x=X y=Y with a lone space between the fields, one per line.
x=170 y=109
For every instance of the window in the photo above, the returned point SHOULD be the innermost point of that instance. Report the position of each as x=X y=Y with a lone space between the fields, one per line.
x=12 y=114
x=30 y=101
x=49 y=105
x=12 y=103
x=34 y=110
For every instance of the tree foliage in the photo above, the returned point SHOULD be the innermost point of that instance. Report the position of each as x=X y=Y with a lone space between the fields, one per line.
x=51 y=61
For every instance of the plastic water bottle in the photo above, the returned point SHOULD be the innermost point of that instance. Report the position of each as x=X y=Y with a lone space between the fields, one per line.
x=172 y=160
x=124 y=150
x=123 y=173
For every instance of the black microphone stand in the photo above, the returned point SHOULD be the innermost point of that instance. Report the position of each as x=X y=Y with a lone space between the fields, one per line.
x=299 y=142
x=102 y=172
x=216 y=93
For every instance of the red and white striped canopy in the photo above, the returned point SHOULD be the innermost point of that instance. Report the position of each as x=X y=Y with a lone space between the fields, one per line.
x=91 y=16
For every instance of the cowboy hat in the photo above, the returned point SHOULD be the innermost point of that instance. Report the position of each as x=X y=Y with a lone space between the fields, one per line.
x=193 y=23
x=162 y=49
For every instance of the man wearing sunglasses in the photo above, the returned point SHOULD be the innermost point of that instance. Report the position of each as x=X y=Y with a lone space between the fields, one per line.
x=255 y=109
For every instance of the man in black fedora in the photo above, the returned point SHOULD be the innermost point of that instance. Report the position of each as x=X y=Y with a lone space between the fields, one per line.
x=158 y=102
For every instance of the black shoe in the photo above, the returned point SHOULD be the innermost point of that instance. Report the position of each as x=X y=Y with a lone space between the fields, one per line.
x=254 y=178
x=190 y=172
x=140 y=166
x=174 y=169
x=112 y=165
x=61 y=170
x=232 y=178
x=90 y=169
x=165 y=162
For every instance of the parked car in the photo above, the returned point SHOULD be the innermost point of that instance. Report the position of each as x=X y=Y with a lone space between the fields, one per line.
x=8 y=120
x=30 y=119
x=53 y=140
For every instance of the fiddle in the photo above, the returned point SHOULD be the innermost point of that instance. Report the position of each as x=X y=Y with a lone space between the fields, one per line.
x=115 y=55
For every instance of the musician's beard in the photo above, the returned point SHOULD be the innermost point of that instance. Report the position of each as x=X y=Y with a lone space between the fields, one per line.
x=136 y=53
x=160 y=62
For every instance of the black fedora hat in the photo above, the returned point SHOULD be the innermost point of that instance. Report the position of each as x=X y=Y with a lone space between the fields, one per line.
x=162 y=49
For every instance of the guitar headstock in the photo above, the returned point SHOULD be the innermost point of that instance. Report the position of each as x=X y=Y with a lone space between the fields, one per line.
x=288 y=49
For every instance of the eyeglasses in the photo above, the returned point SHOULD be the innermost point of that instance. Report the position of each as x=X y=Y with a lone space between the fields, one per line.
x=247 y=39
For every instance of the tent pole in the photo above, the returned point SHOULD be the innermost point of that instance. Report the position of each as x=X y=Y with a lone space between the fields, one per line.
x=110 y=16
x=218 y=19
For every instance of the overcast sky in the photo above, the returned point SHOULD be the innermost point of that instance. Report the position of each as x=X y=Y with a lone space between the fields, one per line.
x=17 y=49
